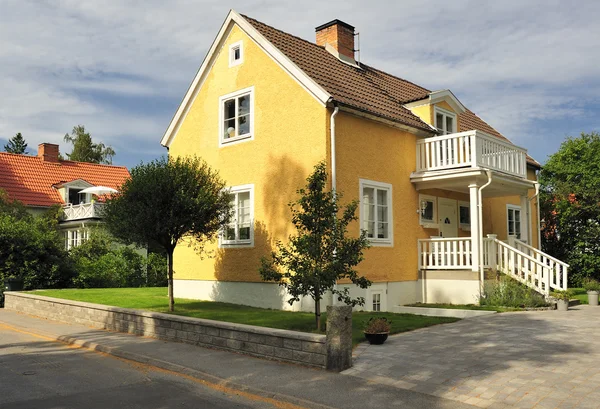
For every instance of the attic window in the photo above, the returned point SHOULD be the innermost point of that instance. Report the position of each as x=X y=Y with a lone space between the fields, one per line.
x=445 y=121
x=236 y=54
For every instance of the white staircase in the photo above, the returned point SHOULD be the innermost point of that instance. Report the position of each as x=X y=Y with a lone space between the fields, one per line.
x=526 y=264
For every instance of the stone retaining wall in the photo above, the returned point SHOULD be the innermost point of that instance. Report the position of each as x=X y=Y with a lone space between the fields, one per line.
x=277 y=344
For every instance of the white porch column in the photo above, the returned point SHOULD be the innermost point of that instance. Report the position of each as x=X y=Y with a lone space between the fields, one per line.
x=525 y=219
x=475 y=228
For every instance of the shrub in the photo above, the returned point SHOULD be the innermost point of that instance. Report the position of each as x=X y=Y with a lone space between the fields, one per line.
x=377 y=325
x=507 y=292
x=31 y=249
x=562 y=294
x=100 y=263
x=591 y=285
x=156 y=270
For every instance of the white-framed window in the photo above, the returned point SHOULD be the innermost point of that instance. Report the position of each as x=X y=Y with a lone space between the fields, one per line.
x=236 y=54
x=464 y=215
x=376 y=301
x=236 y=118
x=513 y=217
x=376 y=211
x=445 y=121
x=240 y=230
x=428 y=210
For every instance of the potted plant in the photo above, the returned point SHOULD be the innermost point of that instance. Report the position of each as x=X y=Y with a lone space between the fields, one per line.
x=593 y=289
x=562 y=299
x=377 y=330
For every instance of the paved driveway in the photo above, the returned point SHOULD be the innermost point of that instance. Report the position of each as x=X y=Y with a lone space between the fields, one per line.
x=541 y=359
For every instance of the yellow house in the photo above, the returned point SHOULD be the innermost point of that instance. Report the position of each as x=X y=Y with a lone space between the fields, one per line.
x=444 y=197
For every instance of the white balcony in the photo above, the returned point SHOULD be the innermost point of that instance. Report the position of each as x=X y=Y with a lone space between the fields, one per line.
x=83 y=211
x=471 y=149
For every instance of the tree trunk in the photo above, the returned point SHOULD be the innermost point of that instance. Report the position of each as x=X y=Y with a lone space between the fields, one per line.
x=318 y=314
x=170 y=280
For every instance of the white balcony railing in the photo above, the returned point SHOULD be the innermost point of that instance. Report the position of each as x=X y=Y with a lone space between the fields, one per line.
x=445 y=253
x=83 y=211
x=470 y=149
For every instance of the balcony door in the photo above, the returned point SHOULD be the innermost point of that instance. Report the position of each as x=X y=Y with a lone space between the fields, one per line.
x=448 y=217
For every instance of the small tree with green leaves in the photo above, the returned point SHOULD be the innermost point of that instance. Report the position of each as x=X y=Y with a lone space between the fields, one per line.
x=16 y=144
x=85 y=150
x=166 y=200
x=570 y=206
x=321 y=253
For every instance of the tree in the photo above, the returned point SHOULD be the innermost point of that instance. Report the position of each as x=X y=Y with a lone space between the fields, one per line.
x=320 y=253
x=166 y=200
x=16 y=144
x=570 y=204
x=84 y=150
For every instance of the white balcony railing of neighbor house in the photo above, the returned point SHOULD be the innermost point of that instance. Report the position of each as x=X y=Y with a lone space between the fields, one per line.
x=519 y=260
x=470 y=149
x=83 y=211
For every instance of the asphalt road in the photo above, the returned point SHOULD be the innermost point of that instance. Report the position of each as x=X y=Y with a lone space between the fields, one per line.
x=41 y=374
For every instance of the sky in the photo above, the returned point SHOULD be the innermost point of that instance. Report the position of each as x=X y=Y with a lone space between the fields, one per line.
x=529 y=68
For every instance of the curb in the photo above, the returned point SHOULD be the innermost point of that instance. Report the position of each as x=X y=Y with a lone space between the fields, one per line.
x=297 y=403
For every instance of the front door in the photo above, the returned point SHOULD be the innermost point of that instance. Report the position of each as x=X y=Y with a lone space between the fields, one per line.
x=448 y=219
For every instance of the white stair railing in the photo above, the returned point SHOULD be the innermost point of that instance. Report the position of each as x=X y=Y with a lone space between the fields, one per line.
x=523 y=267
x=559 y=269
x=445 y=253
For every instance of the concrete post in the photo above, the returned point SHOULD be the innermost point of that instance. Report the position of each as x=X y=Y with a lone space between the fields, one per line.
x=475 y=228
x=339 y=338
x=493 y=252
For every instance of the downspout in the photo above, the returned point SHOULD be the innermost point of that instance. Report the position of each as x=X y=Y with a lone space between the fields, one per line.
x=480 y=221
x=332 y=142
x=537 y=219
x=336 y=109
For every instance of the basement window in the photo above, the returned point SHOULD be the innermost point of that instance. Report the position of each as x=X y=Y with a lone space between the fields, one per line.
x=236 y=54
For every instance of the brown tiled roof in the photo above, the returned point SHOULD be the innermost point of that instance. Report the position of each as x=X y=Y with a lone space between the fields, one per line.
x=366 y=88
x=30 y=180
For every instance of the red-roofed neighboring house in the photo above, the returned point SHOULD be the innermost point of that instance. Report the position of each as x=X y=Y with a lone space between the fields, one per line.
x=42 y=181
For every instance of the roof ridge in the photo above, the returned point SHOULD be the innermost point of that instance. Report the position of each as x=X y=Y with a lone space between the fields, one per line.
x=22 y=155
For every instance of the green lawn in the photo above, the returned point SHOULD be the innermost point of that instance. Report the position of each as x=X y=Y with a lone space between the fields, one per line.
x=467 y=307
x=155 y=299
x=580 y=294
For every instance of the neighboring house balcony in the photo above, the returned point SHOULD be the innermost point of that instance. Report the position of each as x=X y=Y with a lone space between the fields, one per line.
x=514 y=258
x=471 y=149
x=82 y=211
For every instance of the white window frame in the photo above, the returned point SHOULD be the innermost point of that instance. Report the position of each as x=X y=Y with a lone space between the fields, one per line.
x=464 y=226
x=240 y=138
x=437 y=110
x=433 y=224
x=512 y=207
x=363 y=183
x=380 y=289
x=240 y=243
x=238 y=45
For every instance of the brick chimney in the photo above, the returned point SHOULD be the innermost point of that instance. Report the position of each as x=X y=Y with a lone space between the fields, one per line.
x=48 y=152
x=338 y=35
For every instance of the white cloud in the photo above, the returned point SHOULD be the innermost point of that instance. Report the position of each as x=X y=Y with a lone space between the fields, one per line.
x=514 y=63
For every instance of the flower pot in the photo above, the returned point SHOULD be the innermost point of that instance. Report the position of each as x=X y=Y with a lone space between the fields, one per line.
x=376 y=339
x=562 y=305
x=13 y=284
x=593 y=297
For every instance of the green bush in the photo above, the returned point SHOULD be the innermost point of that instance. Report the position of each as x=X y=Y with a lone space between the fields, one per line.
x=507 y=292
x=100 y=263
x=31 y=249
x=156 y=270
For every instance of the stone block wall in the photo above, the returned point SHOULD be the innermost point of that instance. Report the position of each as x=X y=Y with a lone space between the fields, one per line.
x=282 y=345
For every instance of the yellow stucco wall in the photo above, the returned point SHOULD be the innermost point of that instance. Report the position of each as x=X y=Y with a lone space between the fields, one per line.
x=289 y=139
x=495 y=213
